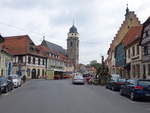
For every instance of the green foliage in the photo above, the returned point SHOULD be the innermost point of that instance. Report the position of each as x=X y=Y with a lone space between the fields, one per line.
x=95 y=64
x=103 y=74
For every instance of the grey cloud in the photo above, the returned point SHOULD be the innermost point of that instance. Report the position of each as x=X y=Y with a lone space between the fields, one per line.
x=97 y=21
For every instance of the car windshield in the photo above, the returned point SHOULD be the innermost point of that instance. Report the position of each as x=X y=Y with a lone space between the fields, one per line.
x=121 y=80
x=132 y=82
x=115 y=79
x=14 y=77
x=144 y=82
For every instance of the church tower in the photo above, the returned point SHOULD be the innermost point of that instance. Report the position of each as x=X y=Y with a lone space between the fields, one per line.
x=73 y=46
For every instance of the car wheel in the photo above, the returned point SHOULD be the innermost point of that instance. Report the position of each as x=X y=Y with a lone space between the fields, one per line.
x=132 y=96
x=6 y=89
x=106 y=87
x=12 y=87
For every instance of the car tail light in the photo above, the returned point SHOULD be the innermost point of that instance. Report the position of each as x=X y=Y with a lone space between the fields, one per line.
x=138 y=87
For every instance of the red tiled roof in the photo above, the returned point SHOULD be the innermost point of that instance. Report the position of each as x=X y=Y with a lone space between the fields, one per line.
x=132 y=35
x=42 y=50
x=16 y=44
x=21 y=45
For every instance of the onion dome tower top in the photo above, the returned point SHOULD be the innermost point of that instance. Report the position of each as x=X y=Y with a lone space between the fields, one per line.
x=73 y=29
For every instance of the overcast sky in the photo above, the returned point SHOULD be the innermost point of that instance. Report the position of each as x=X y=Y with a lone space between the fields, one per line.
x=97 y=21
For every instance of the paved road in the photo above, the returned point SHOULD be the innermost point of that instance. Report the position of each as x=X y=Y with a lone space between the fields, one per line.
x=43 y=96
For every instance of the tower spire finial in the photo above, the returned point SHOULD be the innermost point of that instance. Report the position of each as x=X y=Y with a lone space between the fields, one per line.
x=127 y=9
x=73 y=21
x=43 y=37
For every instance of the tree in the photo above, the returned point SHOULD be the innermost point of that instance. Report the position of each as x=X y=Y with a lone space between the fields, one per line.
x=95 y=64
x=103 y=74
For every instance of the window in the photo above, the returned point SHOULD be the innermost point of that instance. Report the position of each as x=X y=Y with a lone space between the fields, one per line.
x=29 y=60
x=129 y=53
x=2 y=72
x=133 y=71
x=33 y=60
x=138 y=70
x=71 y=44
x=147 y=34
x=133 y=51
x=144 y=71
x=39 y=61
x=31 y=48
x=145 y=50
x=43 y=62
x=20 y=59
x=137 y=49
x=148 y=69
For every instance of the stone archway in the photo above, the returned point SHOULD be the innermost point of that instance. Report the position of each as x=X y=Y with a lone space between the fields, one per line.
x=34 y=74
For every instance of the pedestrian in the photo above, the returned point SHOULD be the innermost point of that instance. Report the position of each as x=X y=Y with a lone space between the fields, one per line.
x=24 y=79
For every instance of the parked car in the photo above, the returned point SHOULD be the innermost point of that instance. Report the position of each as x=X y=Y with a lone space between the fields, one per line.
x=10 y=85
x=78 y=79
x=4 y=85
x=115 y=83
x=136 y=89
x=16 y=80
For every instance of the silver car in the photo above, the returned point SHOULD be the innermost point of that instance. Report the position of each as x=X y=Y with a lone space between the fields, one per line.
x=16 y=80
x=78 y=79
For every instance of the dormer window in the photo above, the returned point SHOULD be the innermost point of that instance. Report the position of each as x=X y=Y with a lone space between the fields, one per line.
x=31 y=48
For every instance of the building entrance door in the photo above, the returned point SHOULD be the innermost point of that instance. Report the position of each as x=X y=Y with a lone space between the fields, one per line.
x=34 y=74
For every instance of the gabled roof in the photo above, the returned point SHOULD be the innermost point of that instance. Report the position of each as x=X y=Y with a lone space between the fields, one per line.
x=132 y=35
x=16 y=44
x=42 y=50
x=143 y=41
x=54 y=47
x=21 y=45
